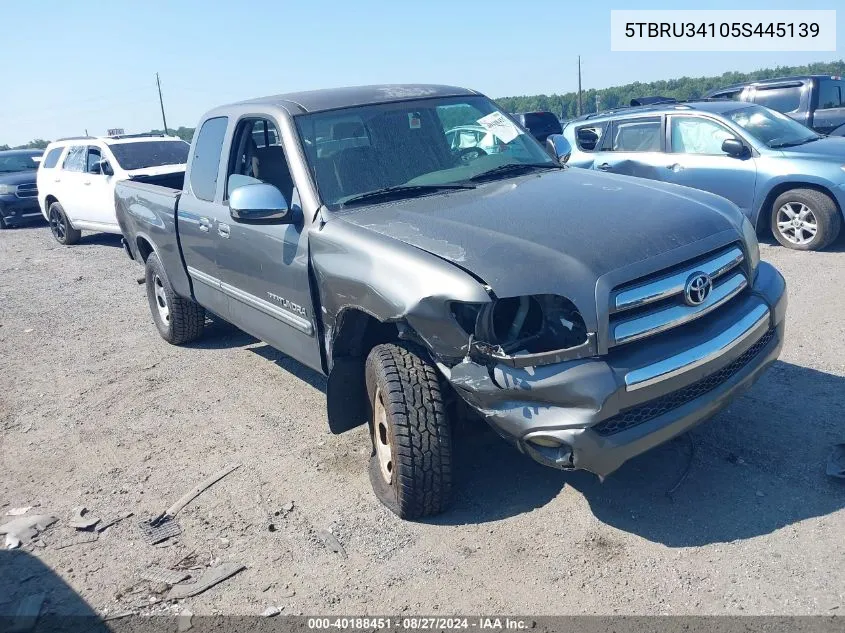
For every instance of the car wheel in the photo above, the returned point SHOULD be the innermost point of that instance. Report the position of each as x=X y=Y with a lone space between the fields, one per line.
x=411 y=462
x=178 y=320
x=60 y=226
x=805 y=219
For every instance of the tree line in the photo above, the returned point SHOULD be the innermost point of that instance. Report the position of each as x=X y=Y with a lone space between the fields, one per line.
x=594 y=100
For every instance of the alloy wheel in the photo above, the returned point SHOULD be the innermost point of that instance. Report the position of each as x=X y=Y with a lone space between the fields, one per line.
x=57 y=224
x=161 y=299
x=796 y=223
x=381 y=437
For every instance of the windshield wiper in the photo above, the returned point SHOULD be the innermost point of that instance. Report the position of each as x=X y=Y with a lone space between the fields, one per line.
x=803 y=141
x=513 y=168
x=401 y=191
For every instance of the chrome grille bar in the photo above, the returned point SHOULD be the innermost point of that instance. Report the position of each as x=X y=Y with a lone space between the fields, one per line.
x=677 y=314
x=26 y=191
x=659 y=289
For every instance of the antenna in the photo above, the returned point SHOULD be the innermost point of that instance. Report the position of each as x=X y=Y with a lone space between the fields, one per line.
x=161 y=102
x=579 y=85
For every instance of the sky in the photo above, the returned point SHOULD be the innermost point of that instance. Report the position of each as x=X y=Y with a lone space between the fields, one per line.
x=85 y=65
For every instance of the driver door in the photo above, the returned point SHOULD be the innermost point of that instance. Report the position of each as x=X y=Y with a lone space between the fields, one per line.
x=98 y=189
x=632 y=147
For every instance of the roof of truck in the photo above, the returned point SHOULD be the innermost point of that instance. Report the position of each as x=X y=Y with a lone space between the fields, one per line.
x=334 y=98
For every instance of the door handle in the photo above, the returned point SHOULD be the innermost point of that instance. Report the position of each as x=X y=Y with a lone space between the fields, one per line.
x=223 y=230
x=57 y=180
x=604 y=167
x=205 y=224
x=676 y=167
x=87 y=182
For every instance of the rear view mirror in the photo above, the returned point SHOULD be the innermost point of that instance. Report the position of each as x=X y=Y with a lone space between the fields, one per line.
x=558 y=147
x=259 y=201
x=734 y=147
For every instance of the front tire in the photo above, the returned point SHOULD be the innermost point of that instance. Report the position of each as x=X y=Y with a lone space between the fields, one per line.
x=60 y=226
x=411 y=463
x=178 y=320
x=805 y=219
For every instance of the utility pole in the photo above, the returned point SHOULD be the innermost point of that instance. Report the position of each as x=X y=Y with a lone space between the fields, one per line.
x=579 y=86
x=598 y=107
x=161 y=101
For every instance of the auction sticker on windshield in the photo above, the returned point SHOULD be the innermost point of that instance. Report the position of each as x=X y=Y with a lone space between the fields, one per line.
x=500 y=125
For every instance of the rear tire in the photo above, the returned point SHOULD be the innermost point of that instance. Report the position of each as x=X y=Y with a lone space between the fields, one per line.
x=178 y=320
x=60 y=226
x=411 y=463
x=805 y=219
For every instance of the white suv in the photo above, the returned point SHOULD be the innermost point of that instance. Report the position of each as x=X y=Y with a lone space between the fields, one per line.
x=76 y=178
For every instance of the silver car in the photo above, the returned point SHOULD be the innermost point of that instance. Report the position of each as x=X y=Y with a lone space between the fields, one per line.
x=781 y=174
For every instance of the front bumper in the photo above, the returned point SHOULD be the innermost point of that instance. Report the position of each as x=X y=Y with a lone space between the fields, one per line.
x=603 y=411
x=18 y=210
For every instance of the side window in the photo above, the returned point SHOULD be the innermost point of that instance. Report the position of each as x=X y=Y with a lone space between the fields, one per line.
x=94 y=157
x=75 y=159
x=257 y=156
x=206 y=161
x=52 y=158
x=693 y=135
x=588 y=137
x=636 y=135
x=831 y=94
x=784 y=99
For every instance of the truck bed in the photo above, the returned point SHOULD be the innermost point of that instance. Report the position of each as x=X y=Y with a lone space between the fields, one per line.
x=146 y=213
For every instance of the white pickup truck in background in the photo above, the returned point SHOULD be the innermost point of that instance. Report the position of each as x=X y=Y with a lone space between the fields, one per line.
x=77 y=176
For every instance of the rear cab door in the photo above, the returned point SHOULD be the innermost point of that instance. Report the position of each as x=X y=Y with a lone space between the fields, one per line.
x=633 y=146
x=199 y=212
x=695 y=159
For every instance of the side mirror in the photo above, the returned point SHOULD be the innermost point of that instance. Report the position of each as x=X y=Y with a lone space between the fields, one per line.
x=558 y=147
x=259 y=201
x=101 y=167
x=734 y=147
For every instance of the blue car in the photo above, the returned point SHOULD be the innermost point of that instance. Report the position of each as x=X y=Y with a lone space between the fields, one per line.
x=781 y=174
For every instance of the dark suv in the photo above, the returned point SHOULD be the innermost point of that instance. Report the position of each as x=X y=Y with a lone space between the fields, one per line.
x=540 y=124
x=18 y=193
x=817 y=101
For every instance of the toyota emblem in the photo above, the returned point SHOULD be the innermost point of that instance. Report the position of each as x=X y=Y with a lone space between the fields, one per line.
x=698 y=288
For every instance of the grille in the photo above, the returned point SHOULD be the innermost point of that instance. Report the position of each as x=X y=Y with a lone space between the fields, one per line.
x=646 y=411
x=647 y=307
x=27 y=191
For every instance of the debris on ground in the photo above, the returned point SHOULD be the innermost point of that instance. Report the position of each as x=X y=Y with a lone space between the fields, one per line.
x=836 y=462
x=29 y=608
x=16 y=512
x=288 y=507
x=25 y=528
x=331 y=542
x=79 y=539
x=210 y=578
x=110 y=521
x=184 y=621
x=119 y=616
x=194 y=492
x=82 y=519
x=158 y=530
x=164 y=576
x=269 y=612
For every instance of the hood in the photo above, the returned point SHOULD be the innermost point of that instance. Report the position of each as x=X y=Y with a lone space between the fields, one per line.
x=551 y=232
x=19 y=177
x=829 y=147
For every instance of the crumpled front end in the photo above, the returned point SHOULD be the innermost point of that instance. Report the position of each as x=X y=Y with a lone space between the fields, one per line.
x=647 y=380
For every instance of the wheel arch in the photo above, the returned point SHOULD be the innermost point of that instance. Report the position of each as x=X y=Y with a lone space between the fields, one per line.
x=763 y=225
x=144 y=246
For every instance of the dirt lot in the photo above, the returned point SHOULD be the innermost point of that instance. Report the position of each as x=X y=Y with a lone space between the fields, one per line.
x=97 y=410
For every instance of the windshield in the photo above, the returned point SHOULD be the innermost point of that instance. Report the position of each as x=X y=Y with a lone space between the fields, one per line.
x=143 y=154
x=774 y=129
x=424 y=144
x=11 y=162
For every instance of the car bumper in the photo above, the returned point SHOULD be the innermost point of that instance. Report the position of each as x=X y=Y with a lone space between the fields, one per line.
x=17 y=210
x=595 y=414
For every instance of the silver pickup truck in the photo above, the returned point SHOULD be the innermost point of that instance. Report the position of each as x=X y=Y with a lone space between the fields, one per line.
x=586 y=317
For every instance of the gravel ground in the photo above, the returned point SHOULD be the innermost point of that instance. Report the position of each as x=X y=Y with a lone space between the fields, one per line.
x=97 y=410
